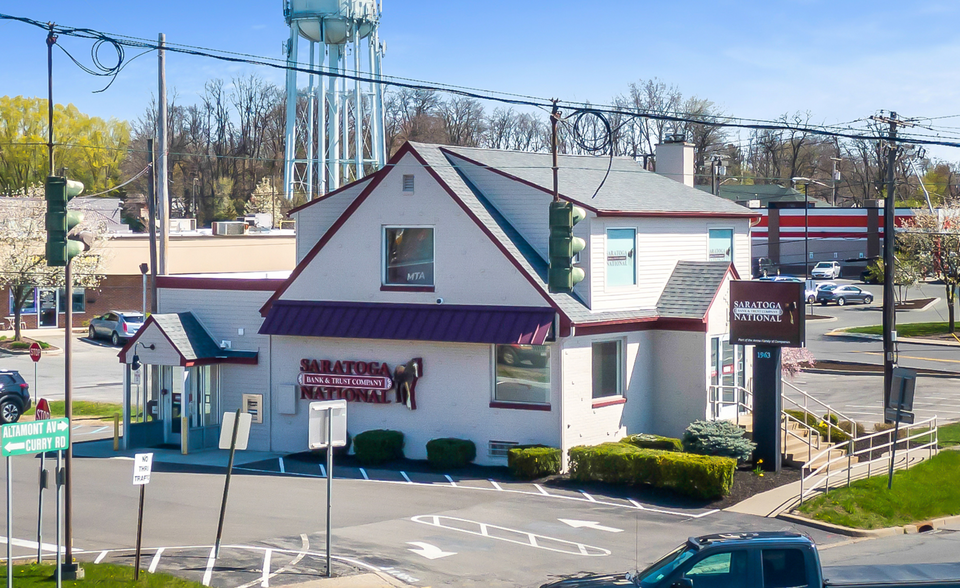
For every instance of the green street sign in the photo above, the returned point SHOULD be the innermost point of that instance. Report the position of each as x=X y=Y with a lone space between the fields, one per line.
x=36 y=437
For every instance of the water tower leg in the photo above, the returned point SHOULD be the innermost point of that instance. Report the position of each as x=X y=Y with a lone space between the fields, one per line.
x=311 y=104
x=333 y=120
x=291 y=130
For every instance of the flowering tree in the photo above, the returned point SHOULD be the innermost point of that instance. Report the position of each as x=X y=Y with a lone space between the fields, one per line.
x=794 y=359
x=23 y=263
x=933 y=239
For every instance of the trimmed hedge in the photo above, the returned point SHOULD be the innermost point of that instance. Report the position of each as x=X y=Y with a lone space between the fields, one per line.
x=698 y=476
x=721 y=438
x=645 y=441
x=450 y=453
x=529 y=462
x=378 y=446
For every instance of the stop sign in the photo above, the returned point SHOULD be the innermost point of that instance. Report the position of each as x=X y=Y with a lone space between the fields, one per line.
x=42 y=412
x=35 y=351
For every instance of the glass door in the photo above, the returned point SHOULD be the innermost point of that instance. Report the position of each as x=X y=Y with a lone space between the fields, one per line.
x=49 y=307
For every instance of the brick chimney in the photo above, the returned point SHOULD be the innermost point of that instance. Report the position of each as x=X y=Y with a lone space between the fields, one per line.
x=675 y=159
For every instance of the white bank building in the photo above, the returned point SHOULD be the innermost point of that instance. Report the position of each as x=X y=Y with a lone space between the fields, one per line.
x=420 y=297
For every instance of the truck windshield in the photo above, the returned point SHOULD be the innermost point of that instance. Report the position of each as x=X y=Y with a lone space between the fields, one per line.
x=666 y=565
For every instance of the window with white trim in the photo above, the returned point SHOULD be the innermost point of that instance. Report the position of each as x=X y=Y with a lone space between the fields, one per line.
x=522 y=374
x=408 y=256
x=607 y=368
x=621 y=257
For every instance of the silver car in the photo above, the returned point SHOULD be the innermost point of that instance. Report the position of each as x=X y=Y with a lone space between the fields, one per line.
x=116 y=325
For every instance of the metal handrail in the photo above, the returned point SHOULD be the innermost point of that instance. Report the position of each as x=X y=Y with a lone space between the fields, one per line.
x=830 y=411
x=717 y=402
x=811 y=433
x=927 y=428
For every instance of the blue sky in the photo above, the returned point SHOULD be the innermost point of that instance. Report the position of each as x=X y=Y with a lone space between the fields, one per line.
x=755 y=59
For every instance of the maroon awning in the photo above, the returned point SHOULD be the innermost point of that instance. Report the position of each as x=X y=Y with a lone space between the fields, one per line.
x=415 y=322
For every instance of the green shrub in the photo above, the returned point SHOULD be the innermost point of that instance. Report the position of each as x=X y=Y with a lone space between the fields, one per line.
x=19 y=345
x=449 y=453
x=378 y=446
x=721 y=438
x=698 y=476
x=645 y=441
x=529 y=462
x=839 y=431
x=338 y=452
x=834 y=419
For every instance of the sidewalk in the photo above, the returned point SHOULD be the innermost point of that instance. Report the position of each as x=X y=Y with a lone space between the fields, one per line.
x=217 y=458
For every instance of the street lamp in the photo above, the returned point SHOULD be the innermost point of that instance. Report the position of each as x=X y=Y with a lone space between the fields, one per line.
x=194 y=197
x=806 y=221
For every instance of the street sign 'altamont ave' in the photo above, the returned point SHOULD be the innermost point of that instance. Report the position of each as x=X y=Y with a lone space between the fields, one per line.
x=36 y=437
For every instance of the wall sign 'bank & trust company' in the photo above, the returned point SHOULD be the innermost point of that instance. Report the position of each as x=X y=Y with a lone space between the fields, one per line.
x=359 y=381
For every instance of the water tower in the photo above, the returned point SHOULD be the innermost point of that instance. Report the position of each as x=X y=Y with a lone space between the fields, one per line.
x=334 y=128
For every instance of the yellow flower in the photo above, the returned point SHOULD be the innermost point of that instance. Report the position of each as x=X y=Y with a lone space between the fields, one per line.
x=761 y=475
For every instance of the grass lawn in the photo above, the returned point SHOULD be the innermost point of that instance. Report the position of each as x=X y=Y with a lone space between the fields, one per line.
x=100 y=575
x=926 y=491
x=949 y=434
x=83 y=408
x=906 y=329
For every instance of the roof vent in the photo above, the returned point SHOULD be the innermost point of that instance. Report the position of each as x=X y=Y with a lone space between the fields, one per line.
x=224 y=344
x=408 y=183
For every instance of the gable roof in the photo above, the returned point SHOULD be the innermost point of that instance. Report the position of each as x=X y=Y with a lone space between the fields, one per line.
x=691 y=288
x=444 y=163
x=190 y=340
x=629 y=190
x=361 y=182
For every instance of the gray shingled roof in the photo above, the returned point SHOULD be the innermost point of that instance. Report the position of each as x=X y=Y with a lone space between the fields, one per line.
x=191 y=340
x=691 y=288
x=628 y=188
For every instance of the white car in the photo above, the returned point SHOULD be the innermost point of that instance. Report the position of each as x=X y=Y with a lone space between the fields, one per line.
x=810 y=292
x=829 y=270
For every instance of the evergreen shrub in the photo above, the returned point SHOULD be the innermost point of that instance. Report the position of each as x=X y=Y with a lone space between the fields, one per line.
x=721 y=438
x=529 y=462
x=378 y=446
x=450 y=453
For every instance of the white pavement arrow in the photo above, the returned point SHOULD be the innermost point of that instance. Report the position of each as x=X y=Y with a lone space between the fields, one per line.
x=429 y=551
x=590 y=525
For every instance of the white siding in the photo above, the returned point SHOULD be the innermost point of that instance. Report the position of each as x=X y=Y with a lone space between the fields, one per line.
x=223 y=313
x=313 y=221
x=680 y=381
x=469 y=267
x=661 y=243
x=453 y=396
x=163 y=354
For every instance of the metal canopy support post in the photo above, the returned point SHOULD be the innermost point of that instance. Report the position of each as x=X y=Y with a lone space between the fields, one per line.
x=767 y=406
x=127 y=378
x=329 y=483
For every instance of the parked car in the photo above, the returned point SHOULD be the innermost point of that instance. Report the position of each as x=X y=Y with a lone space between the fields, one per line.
x=537 y=355
x=781 y=279
x=14 y=396
x=843 y=294
x=828 y=270
x=766 y=267
x=116 y=325
x=810 y=293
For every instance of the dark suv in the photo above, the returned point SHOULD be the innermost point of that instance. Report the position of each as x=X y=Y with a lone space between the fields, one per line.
x=14 y=396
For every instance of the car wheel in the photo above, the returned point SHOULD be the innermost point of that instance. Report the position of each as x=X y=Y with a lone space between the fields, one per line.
x=841 y=301
x=868 y=299
x=508 y=357
x=9 y=411
x=92 y=333
x=115 y=339
x=811 y=299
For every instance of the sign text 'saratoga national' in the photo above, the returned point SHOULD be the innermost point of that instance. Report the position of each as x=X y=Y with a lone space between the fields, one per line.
x=767 y=313
x=359 y=381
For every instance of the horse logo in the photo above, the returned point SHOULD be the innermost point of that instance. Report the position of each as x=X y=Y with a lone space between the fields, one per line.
x=405 y=382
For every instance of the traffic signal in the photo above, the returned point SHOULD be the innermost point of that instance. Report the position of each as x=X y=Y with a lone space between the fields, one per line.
x=60 y=222
x=564 y=246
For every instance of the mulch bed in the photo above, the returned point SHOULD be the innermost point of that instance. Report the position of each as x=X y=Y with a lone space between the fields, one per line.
x=906 y=305
x=7 y=345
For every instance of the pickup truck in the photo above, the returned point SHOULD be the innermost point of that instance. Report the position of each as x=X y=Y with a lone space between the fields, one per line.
x=777 y=560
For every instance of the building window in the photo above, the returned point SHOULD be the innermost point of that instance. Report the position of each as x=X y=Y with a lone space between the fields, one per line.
x=720 y=246
x=408 y=256
x=523 y=374
x=621 y=257
x=29 y=304
x=607 y=371
x=408 y=183
x=79 y=300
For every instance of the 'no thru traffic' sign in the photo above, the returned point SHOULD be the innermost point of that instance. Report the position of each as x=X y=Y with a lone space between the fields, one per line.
x=36 y=437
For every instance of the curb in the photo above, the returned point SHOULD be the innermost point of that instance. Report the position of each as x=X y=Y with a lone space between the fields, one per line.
x=910 y=529
x=869 y=337
x=51 y=351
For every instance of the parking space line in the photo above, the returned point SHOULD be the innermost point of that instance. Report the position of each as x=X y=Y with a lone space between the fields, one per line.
x=495 y=485
x=406 y=477
x=636 y=504
x=102 y=555
x=363 y=473
x=540 y=488
x=323 y=471
x=209 y=571
x=265 y=581
x=588 y=497
x=155 y=561
x=449 y=479
x=282 y=469
x=506 y=534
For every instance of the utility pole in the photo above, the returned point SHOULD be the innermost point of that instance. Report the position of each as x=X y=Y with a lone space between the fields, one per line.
x=152 y=224
x=835 y=179
x=889 y=237
x=162 y=186
x=554 y=118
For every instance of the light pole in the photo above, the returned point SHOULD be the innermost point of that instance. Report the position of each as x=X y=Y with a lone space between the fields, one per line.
x=194 y=197
x=806 y=220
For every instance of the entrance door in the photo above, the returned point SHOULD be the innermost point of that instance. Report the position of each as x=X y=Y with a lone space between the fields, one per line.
x=171 y=402
x=727 y=377
x=49 y=307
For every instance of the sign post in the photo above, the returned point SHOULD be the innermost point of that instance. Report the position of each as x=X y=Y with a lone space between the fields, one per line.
x=27 y=439
x=900 y=403
x=142 y=464
x=768 y=315
x=238 y=423
x=41 y=413
x=328 y=429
